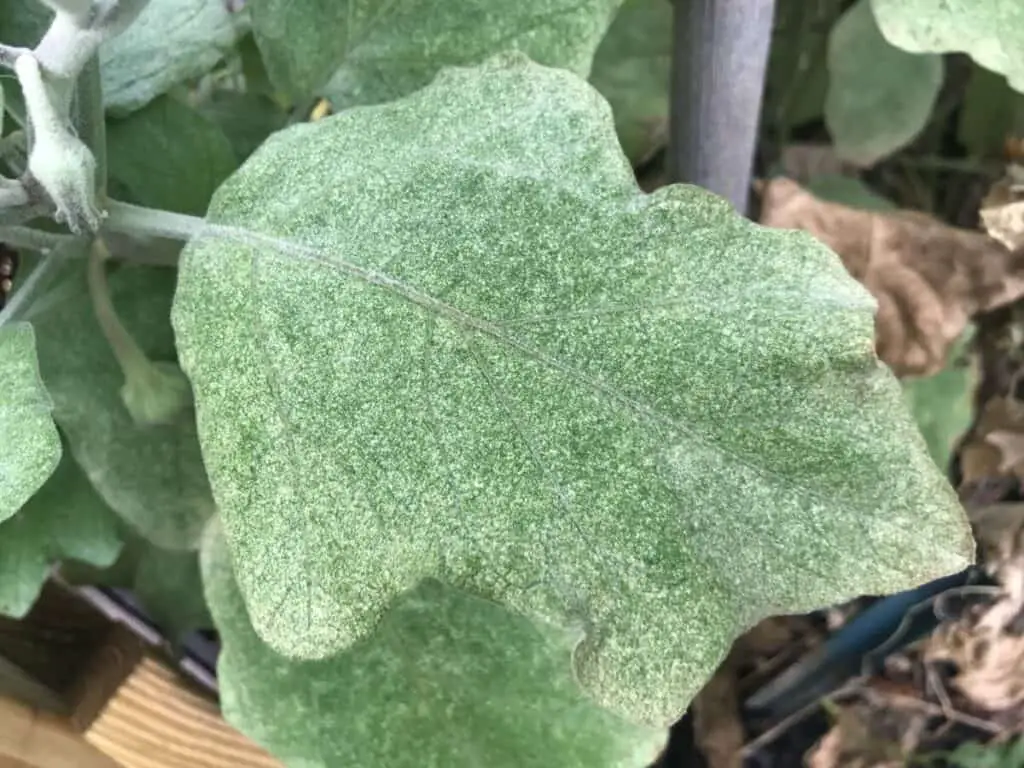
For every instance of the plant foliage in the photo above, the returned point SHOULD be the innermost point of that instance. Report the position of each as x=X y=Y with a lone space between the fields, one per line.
x=992 y=32
x=529 y=414
x=32 y=451
x=879 y=96
x=486 y=455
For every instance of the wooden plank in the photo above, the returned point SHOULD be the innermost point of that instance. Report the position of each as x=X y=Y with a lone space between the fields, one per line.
x=41 y=740
x=155 y=721
x=45 y=652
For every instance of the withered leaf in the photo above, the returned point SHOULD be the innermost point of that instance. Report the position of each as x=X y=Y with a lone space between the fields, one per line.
x=1002 y=210
x=995 y=446
x=929 y=278
x=864 y=737
x=1012 y=446
x=986 y=644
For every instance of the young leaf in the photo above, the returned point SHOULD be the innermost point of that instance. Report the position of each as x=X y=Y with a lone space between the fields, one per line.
x=445 y=679
x=450 y=337
x=879 y=97
x=171 y=41
x=990 y=32
x=372 y=52
x=153 y=477
x=167 y=155
x=631 y=70
x=66 y=519
x=30 y=446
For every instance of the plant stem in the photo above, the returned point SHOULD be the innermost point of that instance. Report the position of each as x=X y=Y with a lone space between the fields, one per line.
x=719 y=58
x=10 y=53
x=128 y=353
x=88 y=119
x=136 y=220
x=33 y=239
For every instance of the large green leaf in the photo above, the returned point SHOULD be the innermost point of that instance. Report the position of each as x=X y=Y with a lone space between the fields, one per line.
x=372 y=51
x=167 y=155
x=879 y=97
x=631 y=70
x=446 y=679
x=153 y=477
x=450 y=337
x=171 y=41
x=990 y=31
x=66 y=519
x=30 y=446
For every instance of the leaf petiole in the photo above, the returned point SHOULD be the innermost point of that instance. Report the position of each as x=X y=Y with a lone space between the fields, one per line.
x=136 y=220
x=154 y=392
x=127 y=351
x=33 y=239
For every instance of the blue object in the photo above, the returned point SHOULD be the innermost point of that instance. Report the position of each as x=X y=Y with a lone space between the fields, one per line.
x=887 y=625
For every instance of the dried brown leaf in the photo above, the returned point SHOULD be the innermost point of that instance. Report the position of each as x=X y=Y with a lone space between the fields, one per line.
x=805 y=161
x=863 y=737
x=995 y=446
x=1005 y=223
x=929 y=278
x=986 y=645
x=1002 y=210
x=1011 y=444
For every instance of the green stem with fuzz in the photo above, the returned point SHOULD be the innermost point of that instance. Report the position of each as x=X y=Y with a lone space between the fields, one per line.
x=127 y=351
x=155 y=393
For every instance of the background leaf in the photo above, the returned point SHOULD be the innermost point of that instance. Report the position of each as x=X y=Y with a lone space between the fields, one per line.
x=991 y=111
x=942 y=404
x=848 y=191
x=245 y=118
x=22 y=23
x=66 y=519
x=797 y=78
x=30 y=448
x=879 y=97
x=167 y=155
x=991 y=32
x=448 y=337
x=372 y=52
x=446 y=679
x=631 y=70
x=171 y=41
x=167 y=583
x=153 y=477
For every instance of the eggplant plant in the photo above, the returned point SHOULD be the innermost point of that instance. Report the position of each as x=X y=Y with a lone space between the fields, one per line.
x=481 y=454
